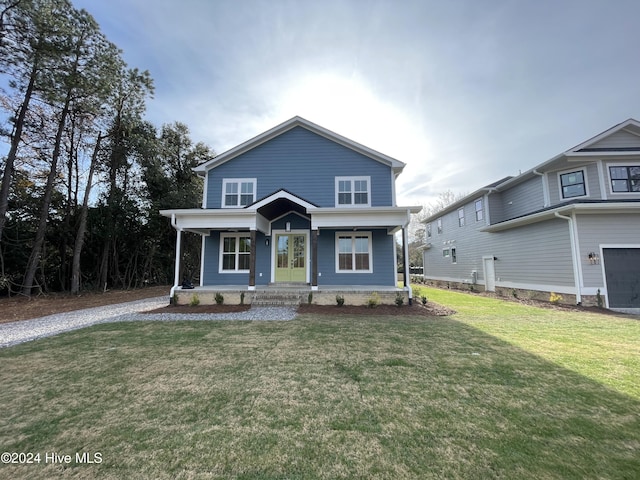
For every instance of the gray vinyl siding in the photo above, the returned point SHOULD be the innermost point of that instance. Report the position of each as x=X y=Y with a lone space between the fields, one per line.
x=596 y=230
x=620 y=139
x=306 y=165
x=522 y=199
x=537 y=254
x=592 y=183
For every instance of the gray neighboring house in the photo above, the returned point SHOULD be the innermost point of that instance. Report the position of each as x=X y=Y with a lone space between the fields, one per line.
x=570 y=225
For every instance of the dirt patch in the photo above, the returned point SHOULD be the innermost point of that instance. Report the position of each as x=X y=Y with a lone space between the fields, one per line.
x=23 y=308
x=201 y=309
x=429 y=310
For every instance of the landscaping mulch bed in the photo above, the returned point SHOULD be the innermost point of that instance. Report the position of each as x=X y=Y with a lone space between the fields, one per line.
x=428 y=310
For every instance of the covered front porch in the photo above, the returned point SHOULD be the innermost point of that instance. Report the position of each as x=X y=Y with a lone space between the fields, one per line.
x=285 y=242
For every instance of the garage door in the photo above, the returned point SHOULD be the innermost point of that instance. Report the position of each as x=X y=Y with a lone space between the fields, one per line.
x=622 y=272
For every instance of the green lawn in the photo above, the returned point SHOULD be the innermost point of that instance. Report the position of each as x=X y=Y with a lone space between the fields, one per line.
x=498 y=390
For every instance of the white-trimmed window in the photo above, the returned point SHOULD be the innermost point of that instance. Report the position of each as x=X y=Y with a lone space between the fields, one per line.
x=446 y=252
x=353 y=191
x=428 y=230
x=439 y=225
x=625 y=178
x=238 y=192
x=573 y=184
x=461 y=217
x=479 y=209
x=454 y=256
x=235 y=252
x=354 y=252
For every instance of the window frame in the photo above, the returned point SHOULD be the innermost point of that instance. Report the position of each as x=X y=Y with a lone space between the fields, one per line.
x=461 y=220
x=352 y=191
x=237 y=253
x=480 y=210
x=439 y=225
x=353 y=236
x=454 y=255
x=239 y=194
x=428 y=229
x=585 y=183
x=626 y=166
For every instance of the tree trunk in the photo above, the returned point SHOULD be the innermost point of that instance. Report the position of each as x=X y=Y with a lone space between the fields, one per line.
x=82 y=227
x=34 y=258
x=13 y=151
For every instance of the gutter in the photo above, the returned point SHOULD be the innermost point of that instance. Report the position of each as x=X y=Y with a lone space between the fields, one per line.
x=574 y=256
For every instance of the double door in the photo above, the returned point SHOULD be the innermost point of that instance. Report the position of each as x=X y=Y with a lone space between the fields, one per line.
x=291 y=257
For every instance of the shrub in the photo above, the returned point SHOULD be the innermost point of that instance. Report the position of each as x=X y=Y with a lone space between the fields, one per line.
x=195 y=300
x=599 y=299
x=340 y=300
x=219 y=298
x=310 y=298
x=514 y=292
x=555 y=298
x=424 y=300
x=399 y=299
x=374 y=300
x=242 y=298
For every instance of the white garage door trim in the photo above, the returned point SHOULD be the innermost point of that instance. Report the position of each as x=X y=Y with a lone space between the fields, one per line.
x=604 y=276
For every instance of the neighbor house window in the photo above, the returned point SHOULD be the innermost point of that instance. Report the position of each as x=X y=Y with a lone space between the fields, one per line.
x=238 y=192
x=235 y=252
x=353 y=191
x=479 y=210
x=353 y=252
x=461 y=217
x=454 y=257
x=445 y=252
x=439 y=225
x=625 y=178
x=572 y=184
x=428 y=230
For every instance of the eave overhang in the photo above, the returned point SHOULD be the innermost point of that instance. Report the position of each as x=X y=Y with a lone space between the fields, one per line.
x=577 y=208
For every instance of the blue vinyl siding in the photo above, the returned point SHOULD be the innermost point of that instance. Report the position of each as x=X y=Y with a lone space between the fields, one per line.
x=305 y=164
x=212 y=258
x=384 y=262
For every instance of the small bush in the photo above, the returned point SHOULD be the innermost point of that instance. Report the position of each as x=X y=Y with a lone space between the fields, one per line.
x=242 y=298
x=195 y=300
x=399 y=299
x=514 y=292
x=555 y=297
x=374 y=300
x=219 y=298
x=310 y=298
x=599 y=299
x=424 y=300
x=340 y=300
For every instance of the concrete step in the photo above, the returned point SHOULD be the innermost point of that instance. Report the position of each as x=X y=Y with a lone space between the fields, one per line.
x=276 y=298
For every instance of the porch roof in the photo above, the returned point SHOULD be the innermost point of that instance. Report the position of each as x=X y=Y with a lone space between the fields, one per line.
x=258 y=217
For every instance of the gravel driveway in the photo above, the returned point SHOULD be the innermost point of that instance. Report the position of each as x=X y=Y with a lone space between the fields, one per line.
x=14 y=333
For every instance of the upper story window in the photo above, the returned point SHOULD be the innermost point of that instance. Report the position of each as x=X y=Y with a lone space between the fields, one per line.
x=461 y=217
x=428 y=230
x=439 y=225
x=238 y=192
x=353 y=191
x=479 y=210
x=625 y=178
x=572 y=184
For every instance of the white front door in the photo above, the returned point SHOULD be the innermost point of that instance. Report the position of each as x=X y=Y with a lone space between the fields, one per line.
x=489 y=274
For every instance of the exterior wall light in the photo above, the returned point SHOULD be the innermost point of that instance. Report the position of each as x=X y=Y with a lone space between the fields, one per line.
x=593 y=257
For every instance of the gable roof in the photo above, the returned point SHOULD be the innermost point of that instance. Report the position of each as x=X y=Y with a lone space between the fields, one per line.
x=396 y=165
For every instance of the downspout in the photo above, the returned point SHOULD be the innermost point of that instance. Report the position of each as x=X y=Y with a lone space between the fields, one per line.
x=574 y=257
x=545 y=190
x=407 y=271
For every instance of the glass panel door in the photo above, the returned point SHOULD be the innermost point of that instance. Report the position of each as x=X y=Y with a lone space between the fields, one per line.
x=291 y=255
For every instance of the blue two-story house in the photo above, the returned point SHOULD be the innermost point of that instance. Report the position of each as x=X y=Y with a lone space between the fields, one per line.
x=297 y=206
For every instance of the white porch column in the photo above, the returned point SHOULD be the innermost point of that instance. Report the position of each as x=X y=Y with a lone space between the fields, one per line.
x=407 y=272
x=176 y=277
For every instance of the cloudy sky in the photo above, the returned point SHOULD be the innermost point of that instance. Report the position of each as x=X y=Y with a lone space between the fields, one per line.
x=463 y=91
